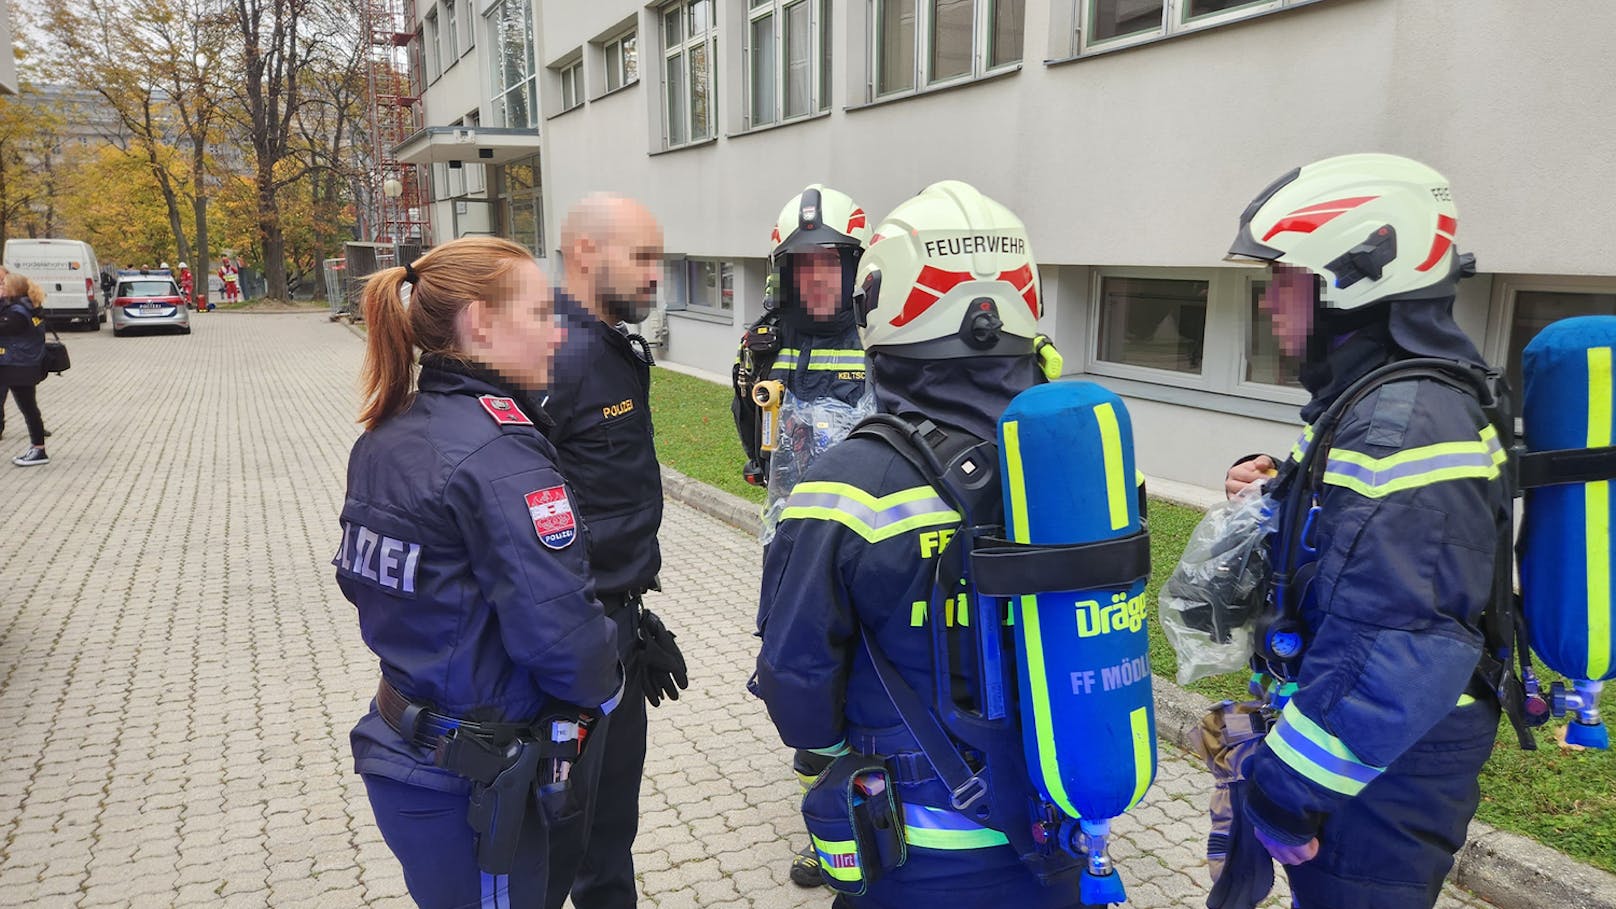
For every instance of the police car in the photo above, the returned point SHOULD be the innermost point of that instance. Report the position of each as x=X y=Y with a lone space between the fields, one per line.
x=148 y=298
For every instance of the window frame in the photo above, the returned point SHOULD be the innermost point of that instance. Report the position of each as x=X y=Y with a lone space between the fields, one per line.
x=618 y=41
x=679 y=298
x=499 y=92
x=1506 y=291
x=432 y=44
x=982 y=25
x=1092 y=363
x=451 y=31
x=820 y=19
x=1175 y=20
x=570 y=70
x=471 y=18
x=688 y=42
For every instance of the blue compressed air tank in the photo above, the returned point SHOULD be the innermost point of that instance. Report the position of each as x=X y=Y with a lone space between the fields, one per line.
x=1566 y=550
x=1088 y=719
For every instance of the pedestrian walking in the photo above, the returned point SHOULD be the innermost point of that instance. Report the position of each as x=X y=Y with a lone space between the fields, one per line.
x=464 y=554
x=22 y=357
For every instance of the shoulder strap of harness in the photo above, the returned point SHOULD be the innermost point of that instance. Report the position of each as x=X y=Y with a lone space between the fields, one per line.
x=1503 y=626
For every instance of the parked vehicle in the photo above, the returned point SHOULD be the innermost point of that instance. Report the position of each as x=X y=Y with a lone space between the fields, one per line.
x=148 y=299
x=68 y=271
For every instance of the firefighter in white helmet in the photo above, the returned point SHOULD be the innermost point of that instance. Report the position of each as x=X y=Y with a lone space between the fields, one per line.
x=949 y=305
x=802 y=359
x=1385 y=654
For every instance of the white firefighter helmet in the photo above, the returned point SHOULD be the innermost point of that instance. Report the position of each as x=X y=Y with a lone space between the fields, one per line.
x=950 y=273
x=184 y=266
x=1372 y=227
x=819 y=216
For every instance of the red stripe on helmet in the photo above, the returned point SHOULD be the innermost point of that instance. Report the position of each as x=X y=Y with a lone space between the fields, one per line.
x=1021 y=280
x=1307 y=220
x=774 y=235
x=930 y=286
x=857 y=220
x=1447 y=229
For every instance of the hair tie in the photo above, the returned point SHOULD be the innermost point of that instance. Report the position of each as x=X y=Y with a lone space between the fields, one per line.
x=410 y=277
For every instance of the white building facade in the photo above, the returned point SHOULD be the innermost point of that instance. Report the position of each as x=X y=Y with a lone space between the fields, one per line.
x=1128 y=134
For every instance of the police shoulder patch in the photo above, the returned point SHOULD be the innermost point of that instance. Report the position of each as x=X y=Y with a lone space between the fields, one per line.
x=504 y=411
x=553 y=519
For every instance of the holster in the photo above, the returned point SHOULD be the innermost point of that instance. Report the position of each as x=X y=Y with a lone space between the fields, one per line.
x=853 y=816
x=503 y=781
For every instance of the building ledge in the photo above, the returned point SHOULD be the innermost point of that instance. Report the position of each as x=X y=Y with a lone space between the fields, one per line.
x=467 y=144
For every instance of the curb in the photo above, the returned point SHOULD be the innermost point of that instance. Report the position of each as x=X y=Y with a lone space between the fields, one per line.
x=1505 y=869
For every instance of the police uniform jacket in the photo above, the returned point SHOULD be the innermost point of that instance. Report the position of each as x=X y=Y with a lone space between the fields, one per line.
x=463 y=552
x=1407 y=531
x=600 y=402
x=813 y=363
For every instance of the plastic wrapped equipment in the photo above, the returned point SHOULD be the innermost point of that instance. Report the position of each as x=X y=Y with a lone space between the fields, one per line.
x=807 y=429
x=1211 y=601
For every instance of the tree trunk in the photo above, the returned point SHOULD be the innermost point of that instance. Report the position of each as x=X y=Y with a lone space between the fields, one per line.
x=204 y=267
x=269 y=232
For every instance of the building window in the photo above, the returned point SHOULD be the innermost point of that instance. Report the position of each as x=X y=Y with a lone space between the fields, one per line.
x=701 y=285
x=451 y=33
x=470 y=19
x=788 y=59
x=960 y=39
x=1153 y=323
x=434 y=53
x=622 y=58
x=1121 y=22
x=515 y=81
x=572 y=85
x=690 y=44
x=1266 y=364
x=522 y=204
x=1534 y=310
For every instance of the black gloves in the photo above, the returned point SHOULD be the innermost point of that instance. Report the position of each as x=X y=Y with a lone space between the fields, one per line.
x=663 y=667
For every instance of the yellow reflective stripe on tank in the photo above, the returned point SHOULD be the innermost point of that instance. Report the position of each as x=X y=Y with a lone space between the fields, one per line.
x=1372 y=477
x=828 y=850
x=1307 y=748
x=1596 y=509
x=1116 y=482
x=871 y=517
x=1139 y=722
x=1049 y=767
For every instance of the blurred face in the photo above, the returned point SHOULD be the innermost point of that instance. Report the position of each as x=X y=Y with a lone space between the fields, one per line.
x=1288 y=302
x=817 y=275
x=629 y=262
x=518 y=338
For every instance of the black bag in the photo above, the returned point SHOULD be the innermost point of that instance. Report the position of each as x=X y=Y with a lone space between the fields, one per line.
x=856 y=824
x=56 y=359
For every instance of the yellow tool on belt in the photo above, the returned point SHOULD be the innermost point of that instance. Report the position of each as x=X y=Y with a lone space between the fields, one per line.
x=766 y=395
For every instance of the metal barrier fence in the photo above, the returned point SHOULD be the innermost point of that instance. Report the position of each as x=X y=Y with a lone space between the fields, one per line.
x=335 y=270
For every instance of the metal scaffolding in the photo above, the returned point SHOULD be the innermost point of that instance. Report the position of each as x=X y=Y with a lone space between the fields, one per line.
x=395 y=114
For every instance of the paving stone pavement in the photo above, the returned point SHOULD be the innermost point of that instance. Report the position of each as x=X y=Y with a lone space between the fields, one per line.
x=178 y=671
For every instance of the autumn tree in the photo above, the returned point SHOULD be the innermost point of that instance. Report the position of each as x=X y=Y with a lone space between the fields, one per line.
x=28 y=145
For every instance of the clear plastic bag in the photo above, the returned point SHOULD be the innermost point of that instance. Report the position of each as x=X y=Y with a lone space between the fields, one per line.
x=1211 y=601
x=807 y=429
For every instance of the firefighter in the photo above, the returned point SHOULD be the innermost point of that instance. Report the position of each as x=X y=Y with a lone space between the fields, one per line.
x=1365 y=784
x=805 y=341
x=859 y=539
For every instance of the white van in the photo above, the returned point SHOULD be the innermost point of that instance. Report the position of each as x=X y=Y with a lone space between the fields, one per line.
x=69 y=272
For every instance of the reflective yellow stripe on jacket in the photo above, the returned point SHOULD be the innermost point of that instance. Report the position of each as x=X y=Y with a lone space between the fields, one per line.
x=871 y=517
x=1372 y=477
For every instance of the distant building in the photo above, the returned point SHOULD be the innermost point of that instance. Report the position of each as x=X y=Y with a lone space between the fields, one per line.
x=1128 y=134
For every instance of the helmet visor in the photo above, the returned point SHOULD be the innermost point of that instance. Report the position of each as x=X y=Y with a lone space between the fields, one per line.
x=1286 y=309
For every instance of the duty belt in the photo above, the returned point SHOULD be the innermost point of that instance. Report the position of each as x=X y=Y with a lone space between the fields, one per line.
x=426 y=728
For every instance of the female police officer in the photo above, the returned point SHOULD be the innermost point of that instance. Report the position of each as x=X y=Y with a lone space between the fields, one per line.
x=462 y=552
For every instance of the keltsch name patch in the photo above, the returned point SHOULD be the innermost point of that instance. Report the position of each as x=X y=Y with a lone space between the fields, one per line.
x=504 y=411
x=552 y=515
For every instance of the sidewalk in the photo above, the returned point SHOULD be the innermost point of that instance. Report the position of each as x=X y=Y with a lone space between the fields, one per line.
x=178 y=672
